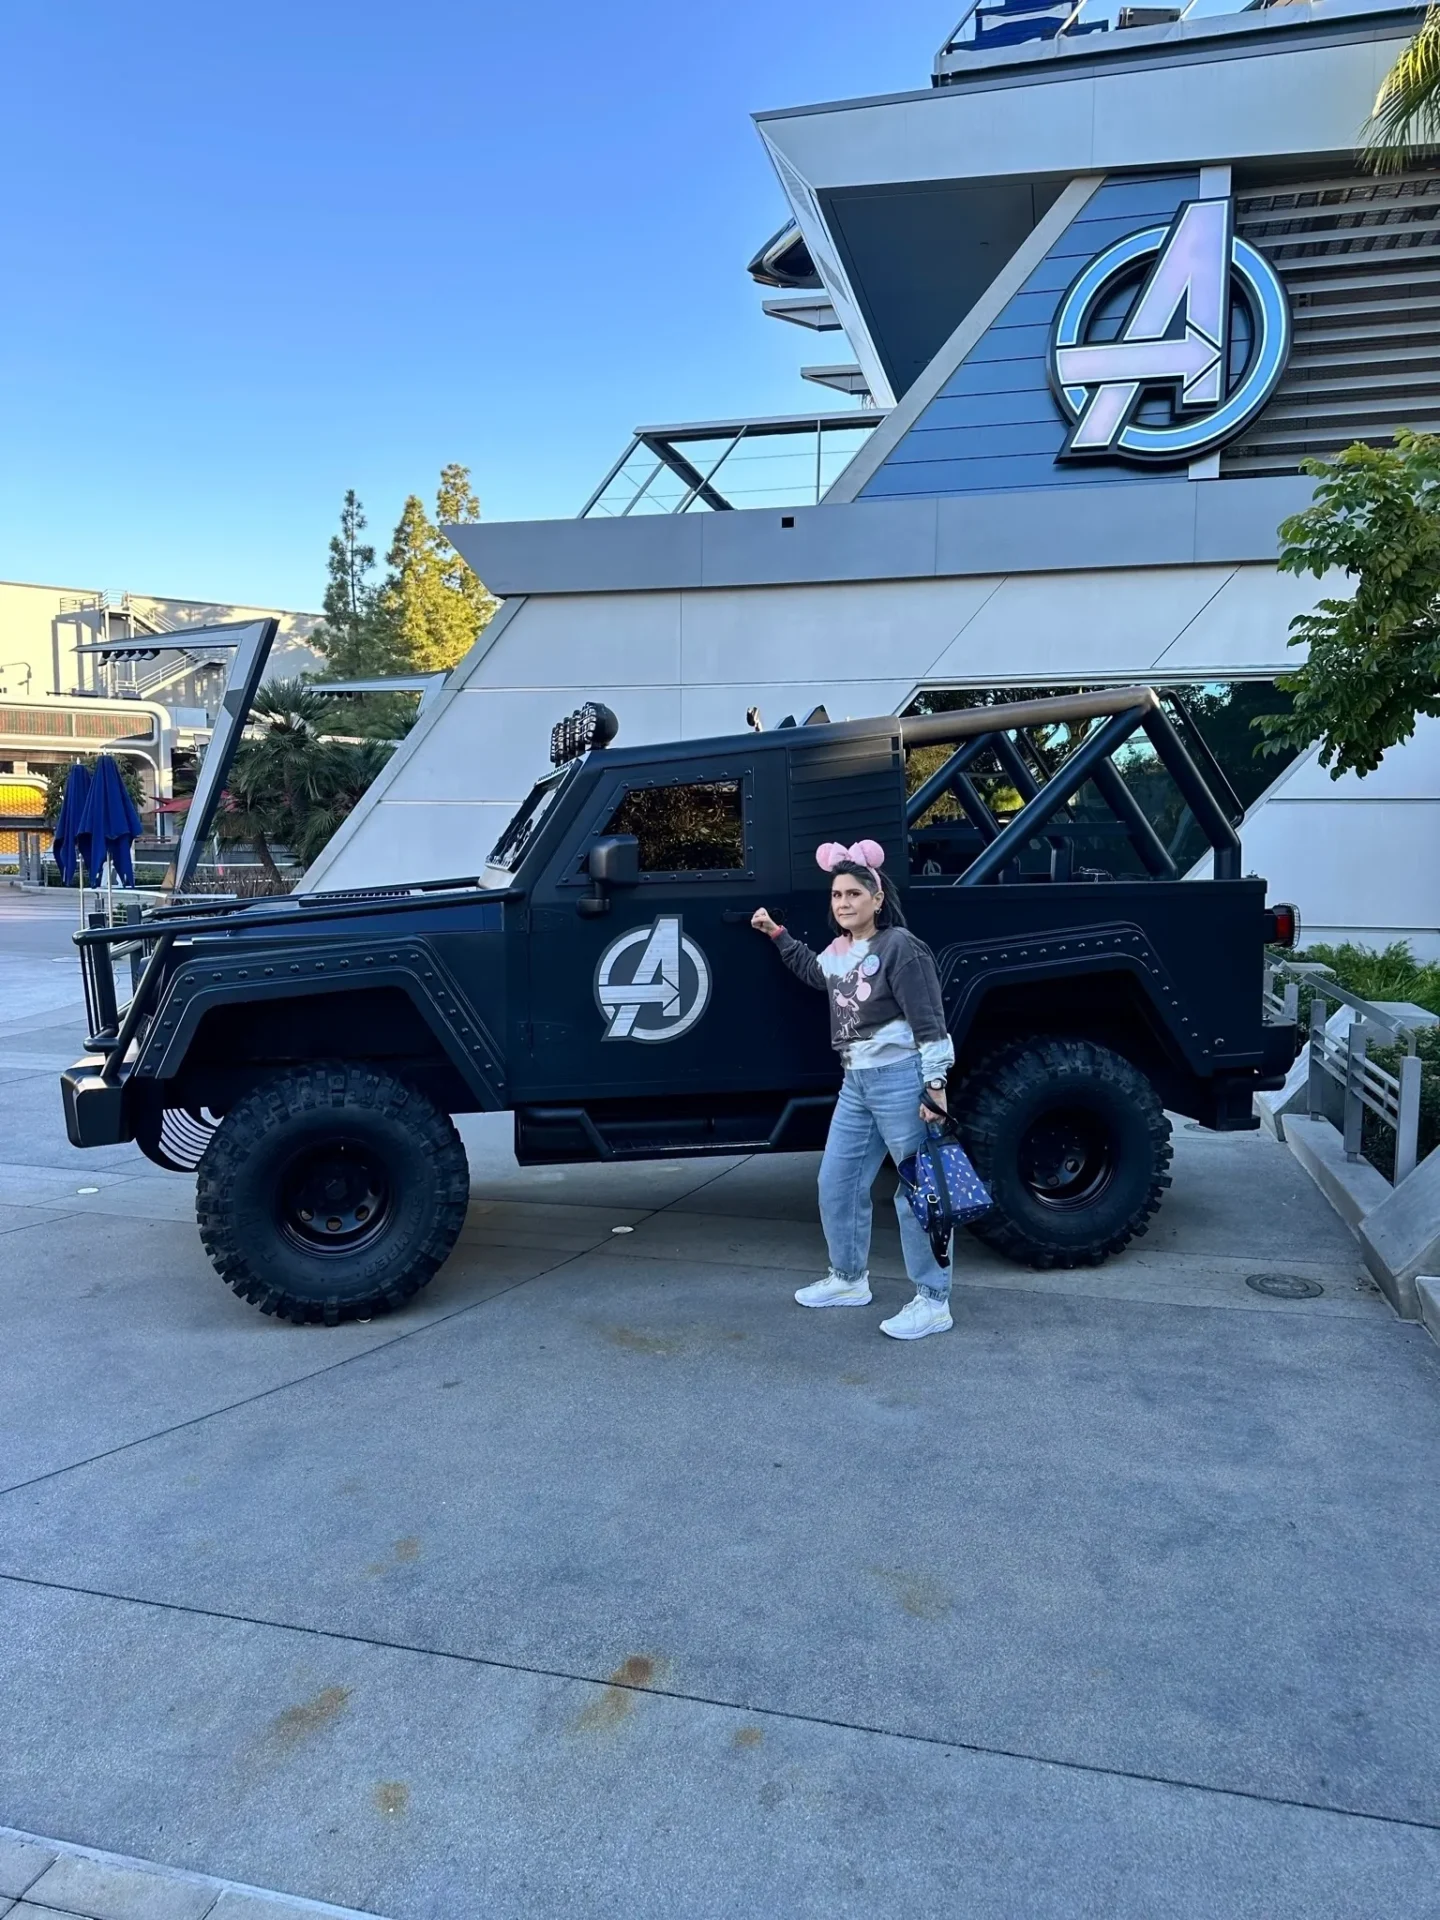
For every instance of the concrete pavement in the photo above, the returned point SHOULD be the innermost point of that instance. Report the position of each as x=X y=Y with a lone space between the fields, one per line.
x=605 y=1578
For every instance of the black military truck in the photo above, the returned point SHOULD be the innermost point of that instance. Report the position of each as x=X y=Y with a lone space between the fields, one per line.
x=600 y=980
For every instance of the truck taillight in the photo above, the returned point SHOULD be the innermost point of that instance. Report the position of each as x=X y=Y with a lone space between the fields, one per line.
x=1283 y=929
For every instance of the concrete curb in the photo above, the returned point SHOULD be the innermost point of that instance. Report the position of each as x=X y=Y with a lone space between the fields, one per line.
x=1427 y=1288
x=1352 y=1187
x=1398 y=1227
x=116 y=1877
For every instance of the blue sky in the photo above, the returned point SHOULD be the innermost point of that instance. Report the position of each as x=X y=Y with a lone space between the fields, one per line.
x=254 y=255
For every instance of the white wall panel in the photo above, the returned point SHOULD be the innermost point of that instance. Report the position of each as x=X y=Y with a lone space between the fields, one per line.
x=706 y=711
x=494 y=743
x=1408 y=772
x=430 y=842
x=858 y=632
x=1245 y=628
x=1283 y=101
x=487 y=746
x=1366 y=867
x=572 y=641
x=1048 y=625
x=1301 y=101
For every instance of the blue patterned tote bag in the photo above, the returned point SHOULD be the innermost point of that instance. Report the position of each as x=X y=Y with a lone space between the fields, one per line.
x=942 y=1187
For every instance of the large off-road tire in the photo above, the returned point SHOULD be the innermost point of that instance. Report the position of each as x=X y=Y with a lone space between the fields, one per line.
x=1074 y=1146
x=332 y=1192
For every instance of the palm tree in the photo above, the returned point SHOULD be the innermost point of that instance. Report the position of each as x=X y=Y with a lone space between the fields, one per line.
x=351 y=767
x=1406 y=114
x=280 y=774
x=291 y=784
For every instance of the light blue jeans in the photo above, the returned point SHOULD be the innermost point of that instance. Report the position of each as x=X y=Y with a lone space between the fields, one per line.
x=878 y=1112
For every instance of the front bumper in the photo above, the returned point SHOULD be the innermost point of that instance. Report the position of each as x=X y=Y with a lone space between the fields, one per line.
x=96 y=1110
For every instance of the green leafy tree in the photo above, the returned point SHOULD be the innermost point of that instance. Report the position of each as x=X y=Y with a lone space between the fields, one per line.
x=1373 y=666
x=433 y=605
x=1406 y=114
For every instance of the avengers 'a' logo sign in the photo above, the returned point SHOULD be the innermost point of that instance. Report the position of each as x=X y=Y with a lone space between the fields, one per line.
x=1208 y=327
x=653 y=983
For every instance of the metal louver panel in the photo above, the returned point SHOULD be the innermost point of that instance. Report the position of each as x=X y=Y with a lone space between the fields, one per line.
x=1360 y=259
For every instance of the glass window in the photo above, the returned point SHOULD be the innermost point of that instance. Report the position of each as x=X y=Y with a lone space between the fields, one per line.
x=699 y=828
x=513 y=844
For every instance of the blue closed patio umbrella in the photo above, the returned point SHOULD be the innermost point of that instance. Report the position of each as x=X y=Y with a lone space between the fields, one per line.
x=109 y=824
x=67 y=827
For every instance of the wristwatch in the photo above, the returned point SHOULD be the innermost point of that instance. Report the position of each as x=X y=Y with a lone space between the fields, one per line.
x=935 y=1086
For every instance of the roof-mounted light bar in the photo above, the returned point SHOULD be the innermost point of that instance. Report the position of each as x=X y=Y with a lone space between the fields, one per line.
x=592 y=725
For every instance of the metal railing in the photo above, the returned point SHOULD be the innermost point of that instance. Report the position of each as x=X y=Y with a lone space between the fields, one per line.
x=1343 y=1059
x=716 y=466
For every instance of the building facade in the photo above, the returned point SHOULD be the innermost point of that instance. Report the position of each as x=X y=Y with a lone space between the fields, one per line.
x=84 y=672
x=1106 y=282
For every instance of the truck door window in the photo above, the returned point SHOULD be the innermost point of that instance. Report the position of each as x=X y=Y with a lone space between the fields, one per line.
x=699 y=828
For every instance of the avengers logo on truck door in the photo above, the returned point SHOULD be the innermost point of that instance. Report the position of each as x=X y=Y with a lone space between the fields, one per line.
x=652 y=983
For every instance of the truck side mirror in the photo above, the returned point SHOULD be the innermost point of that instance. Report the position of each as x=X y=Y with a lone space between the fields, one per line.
x=612 y=862
x=615 y=861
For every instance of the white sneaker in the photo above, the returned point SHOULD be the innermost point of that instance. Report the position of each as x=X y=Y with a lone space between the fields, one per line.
x=918 y=1317
x=833 y=1291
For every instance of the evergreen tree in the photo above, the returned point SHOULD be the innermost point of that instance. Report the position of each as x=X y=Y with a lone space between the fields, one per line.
x=432 y=604
x=356 y=637
x=456 y=504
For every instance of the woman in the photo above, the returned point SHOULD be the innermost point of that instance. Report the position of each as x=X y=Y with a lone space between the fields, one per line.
x=887 y=1022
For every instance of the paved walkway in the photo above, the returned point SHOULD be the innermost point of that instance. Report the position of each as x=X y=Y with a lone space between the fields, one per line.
x=48 y=1880
x=604 y=1580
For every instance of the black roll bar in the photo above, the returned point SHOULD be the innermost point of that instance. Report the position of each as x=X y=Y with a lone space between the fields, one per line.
x=934 y=729
x=1122 y=710
x=1199 y=747
x=939 y=783
x=1032 y=818
x=1207 y=810
x=1152 y=850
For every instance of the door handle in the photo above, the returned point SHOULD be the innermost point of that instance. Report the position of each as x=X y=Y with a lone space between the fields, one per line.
x=733 y=916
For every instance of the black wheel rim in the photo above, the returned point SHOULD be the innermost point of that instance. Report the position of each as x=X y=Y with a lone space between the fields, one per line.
x=334 y=1198
x=1067 y=1158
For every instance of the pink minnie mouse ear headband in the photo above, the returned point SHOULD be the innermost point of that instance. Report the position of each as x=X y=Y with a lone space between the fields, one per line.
x=864 y=853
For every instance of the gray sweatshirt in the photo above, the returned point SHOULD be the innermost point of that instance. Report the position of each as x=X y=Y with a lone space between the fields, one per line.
x=884 y=996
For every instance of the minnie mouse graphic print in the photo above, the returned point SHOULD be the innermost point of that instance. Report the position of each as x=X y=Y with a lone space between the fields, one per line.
x=884 y=997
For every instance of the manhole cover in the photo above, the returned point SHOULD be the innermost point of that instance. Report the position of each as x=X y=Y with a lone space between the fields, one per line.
x=1284 y=1286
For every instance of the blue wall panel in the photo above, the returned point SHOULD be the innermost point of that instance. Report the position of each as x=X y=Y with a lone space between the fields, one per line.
x=995 y=425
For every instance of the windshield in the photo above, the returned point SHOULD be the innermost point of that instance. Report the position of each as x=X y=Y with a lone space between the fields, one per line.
x=514 y=843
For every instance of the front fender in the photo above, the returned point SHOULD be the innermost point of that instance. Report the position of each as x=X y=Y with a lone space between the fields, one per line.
x=206 y=980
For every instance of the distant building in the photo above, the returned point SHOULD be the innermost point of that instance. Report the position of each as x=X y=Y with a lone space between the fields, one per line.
x=82 y=670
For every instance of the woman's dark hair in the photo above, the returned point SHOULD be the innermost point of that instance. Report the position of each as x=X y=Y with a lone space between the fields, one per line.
x=891 y=913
